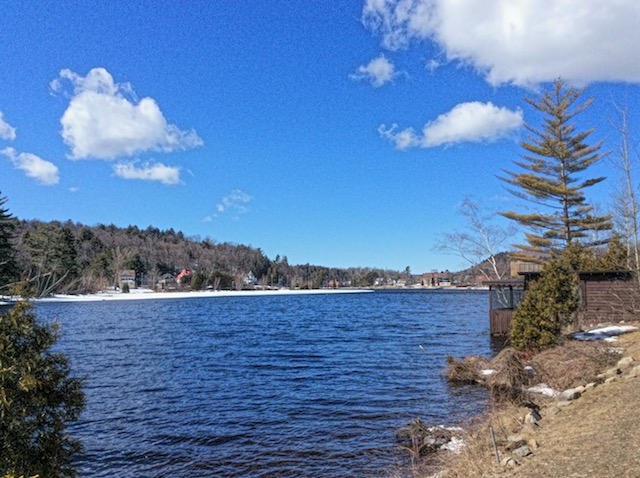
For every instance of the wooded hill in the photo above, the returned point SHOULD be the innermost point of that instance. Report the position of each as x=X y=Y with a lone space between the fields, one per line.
x=67 y=257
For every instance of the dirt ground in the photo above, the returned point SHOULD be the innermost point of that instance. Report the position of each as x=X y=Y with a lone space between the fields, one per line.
x=597 y=435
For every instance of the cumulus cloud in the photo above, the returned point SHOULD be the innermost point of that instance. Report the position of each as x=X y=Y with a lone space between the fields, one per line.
x=167 y=175
x=466 y=122
x=7 y=131
x=234 y=203
x=521 y=42
x=35 y=167
x=105 y=121
x=378 y=71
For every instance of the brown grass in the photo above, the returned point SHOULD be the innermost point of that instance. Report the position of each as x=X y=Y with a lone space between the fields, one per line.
x=596 y=436
x=466 y=370
x=575 y=363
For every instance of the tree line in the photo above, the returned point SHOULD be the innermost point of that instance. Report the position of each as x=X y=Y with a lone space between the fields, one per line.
x=67 y=257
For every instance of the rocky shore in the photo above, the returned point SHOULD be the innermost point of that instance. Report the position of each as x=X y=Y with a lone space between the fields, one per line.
x=589 y=429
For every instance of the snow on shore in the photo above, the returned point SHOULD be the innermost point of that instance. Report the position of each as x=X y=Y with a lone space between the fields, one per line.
x=142 y=294
x=607 y=334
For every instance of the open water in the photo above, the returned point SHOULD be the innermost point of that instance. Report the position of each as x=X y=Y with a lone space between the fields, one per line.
x=284 y=386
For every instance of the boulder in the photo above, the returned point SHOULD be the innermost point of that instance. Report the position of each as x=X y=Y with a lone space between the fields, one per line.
x=508 y=462
x=523 y=451
x=625 y=362
x=571 y=394
x=532 y=418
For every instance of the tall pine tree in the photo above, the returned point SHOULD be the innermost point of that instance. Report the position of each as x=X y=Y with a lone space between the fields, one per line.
x=8 y=270
x=550 y=177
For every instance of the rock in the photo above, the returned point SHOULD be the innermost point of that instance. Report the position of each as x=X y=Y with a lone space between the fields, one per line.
x=515 y=445
x=590 y=386
x=532 y=417
x=564 y=403
x=612 y=372
x=523 y=451
x=508 y=462
x=533 y=444
x=570 y=394
x=625 y=362
x=635 y=371
x=611 y=379
x=514 y=438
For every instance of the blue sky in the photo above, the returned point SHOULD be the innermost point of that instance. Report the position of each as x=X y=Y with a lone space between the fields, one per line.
x=335 y=133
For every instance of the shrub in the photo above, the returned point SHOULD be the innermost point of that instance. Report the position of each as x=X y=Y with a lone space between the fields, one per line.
x=548 y=306
x=125 y=288
x=37 y=398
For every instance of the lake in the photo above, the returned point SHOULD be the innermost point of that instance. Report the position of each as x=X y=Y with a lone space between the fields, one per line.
x=273 y=386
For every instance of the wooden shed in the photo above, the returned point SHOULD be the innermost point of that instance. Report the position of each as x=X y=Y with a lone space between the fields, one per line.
x=608 y=296
x=504 y=297
x=605 y=296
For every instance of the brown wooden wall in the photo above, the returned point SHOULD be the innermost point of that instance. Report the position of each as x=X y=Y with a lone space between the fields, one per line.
x=500 y=321
x=608 y=299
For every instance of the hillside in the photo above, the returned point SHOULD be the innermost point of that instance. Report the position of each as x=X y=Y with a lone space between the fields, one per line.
x=69 y=257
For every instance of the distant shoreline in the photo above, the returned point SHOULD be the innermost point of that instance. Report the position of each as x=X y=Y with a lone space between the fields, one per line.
x=147 y=294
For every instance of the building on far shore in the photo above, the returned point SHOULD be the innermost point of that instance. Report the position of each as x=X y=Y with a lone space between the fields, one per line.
x=127 y=277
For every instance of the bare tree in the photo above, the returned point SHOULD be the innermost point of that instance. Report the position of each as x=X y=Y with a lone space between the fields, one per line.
x=625 y=202
x=481 y=241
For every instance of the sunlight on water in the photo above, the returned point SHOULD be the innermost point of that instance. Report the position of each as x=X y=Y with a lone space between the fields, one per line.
x=266 y=386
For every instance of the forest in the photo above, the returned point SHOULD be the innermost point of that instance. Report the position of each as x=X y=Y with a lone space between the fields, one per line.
x=72 y=258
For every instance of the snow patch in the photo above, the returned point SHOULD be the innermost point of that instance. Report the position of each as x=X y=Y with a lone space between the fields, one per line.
x=608 y=334
x=543 y=389
x=455 y=445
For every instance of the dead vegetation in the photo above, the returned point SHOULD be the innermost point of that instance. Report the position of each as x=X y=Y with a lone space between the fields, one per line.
x=511 y=373
x=571 y=364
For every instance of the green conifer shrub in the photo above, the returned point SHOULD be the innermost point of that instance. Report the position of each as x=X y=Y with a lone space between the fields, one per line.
x=549 y=305
x=38 y=397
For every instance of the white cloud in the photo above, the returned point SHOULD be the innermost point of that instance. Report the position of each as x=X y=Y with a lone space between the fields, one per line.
x=167 y=175
x=234 y=203
x=466 y=122
x=35 y=167
x=105 y=121
x=405 y=139
x=6 y=130
x=378 y=71
x=522 y=42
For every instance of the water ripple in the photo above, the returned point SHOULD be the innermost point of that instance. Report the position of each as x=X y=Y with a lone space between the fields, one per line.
x=266 y=386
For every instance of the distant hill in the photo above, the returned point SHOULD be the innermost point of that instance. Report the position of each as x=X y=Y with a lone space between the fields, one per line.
x=68 y=257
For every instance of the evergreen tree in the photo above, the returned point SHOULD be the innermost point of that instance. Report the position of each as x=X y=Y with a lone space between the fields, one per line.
x=8 y=268
x=554 y=158
x=52 y=255
x=37 y=399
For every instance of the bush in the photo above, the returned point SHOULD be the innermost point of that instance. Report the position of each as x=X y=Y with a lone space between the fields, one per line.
x=125 y=288
x=548 y=306
x=37 y=398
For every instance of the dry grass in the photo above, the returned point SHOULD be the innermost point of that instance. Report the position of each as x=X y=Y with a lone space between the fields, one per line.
x=466 y=370
x=510 y=379
x=595 y=436
x=478 y=457
x=574 y=363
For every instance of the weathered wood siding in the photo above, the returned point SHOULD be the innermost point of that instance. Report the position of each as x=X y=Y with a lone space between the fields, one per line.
x=608 y=298
x=500 y=321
